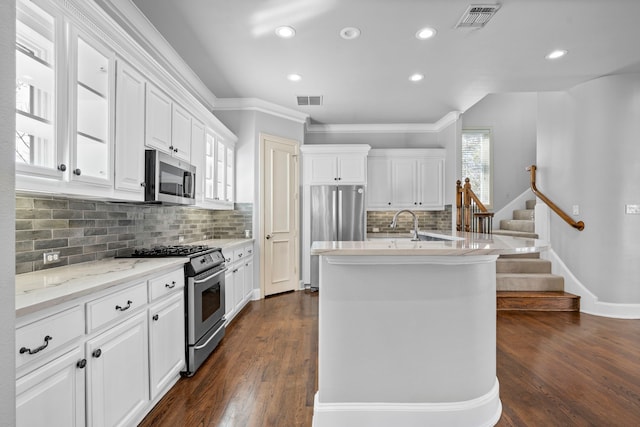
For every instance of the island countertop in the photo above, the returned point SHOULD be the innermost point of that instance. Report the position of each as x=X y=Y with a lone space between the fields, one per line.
x=448 y=243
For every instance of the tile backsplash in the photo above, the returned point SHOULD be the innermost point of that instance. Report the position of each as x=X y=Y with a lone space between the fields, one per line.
x=427 y=220
x=88 y=230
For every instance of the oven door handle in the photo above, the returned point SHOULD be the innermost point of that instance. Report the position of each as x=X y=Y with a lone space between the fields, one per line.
x=209 y=277
x=199 y=347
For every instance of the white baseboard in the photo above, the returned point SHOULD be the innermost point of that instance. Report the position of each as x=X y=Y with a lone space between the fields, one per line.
x=484 y=411
x=255 y=295
x=589 y=302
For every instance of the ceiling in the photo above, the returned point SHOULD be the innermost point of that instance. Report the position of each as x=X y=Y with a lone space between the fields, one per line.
x=232 y=47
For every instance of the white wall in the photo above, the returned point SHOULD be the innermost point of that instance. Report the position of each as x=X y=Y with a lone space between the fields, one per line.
x=376 y=140
x=7 y=212
x=589 y=155
x=512 y=119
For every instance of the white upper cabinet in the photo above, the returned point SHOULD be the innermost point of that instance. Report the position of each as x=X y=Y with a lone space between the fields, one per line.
x=129 y=146
x=406 y=179
x=92 y=100
x=158 y=119
x=40 y=88
x=181 y=133
x=335 y=164
x=215 y=164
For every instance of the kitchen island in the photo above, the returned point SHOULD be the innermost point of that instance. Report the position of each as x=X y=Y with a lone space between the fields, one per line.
x=407 y=330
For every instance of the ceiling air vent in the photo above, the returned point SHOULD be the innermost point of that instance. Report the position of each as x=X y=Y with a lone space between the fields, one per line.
x=477 y=15
x=309 y=100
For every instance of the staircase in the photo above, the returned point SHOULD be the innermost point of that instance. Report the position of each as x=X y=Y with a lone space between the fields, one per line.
x=524 y=281
x=522 y=224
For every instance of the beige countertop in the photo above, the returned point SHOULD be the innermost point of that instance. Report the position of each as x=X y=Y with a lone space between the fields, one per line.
x=46 y=288
x=456 y=244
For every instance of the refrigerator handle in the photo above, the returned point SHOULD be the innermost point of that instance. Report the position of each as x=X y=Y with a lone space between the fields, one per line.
x=335 y=215
x=340 y=236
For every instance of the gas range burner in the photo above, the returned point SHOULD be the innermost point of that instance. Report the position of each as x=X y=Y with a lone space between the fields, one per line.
x=168 y=251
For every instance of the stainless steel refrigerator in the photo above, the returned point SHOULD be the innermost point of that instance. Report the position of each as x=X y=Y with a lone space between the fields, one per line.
x=337 y=214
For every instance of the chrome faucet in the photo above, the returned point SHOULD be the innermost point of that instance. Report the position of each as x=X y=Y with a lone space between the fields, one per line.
x=394 y=223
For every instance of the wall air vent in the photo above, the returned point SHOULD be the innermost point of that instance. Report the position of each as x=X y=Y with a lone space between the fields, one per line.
x=309 y=100
x=477 y=15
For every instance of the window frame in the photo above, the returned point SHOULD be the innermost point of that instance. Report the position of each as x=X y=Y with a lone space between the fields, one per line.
x=486 y=130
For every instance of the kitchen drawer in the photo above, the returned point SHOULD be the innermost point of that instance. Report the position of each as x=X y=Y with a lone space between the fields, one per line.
x=248 y=251
x=115 y=306
x=238 y=254
x=60 y=328
x=166 y=284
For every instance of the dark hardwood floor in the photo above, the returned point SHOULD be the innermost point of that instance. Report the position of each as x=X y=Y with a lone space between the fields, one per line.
x=555 y=369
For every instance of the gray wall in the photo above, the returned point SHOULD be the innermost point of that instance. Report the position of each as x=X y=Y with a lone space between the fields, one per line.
x=589 y=155
x=376 y=140
x=512 y=119
x=7 y=212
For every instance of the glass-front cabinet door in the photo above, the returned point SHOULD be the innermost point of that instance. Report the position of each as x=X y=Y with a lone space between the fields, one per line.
x=228 y=175
x=39 y=41
x=218 y=172
x=209 y=167
x=92 y=89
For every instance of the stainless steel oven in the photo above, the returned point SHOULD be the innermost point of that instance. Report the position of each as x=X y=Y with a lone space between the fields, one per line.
x=205 y=292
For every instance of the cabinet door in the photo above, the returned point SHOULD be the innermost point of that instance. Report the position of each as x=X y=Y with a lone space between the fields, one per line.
x=248 y=278
x=238 y=285
x=229 y=299
x=229 y=175
x=323 y=169
x=92 y=101
x=166 y=342
x=129 y=148
x=197 y=143
x=403 y=181
x=158 y=119
x=352 y=169
x=431 y=183
x=39 y=88
x=379 y=183
x=118 y=373
x=54 y=394
x=181 y=133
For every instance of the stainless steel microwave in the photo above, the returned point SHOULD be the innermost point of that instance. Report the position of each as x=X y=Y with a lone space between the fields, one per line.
x=168 y=180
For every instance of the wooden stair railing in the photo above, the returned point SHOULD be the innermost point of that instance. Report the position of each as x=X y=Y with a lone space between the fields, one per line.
x=577 y=225
x=472 y=215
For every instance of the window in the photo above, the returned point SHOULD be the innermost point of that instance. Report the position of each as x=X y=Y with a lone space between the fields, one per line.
x=476 y=162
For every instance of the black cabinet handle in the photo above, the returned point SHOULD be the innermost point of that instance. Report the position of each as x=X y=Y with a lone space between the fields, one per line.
x=335 y=179
x=77 y=172
x=170 y=286
x=62 y=167
x=240 y=255
x=175 y=150
x=81 y=363
x=155 y=317
x=339 y=179
x=415 y=203
x=143 y=184
x=42 y=347
x=389 y=203
x=235 y=271
x=126 y=307
x=97 y=353
x=420 y=203
x=171 y=147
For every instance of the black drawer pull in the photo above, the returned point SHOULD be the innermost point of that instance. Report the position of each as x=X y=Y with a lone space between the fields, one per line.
x=97 y=353
x=42 y=347
x=170 y=286
x=155 y=317
x=81 y=363
x=127 y=307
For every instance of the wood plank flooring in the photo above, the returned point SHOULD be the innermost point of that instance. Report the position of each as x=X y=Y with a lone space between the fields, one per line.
x=555 y=369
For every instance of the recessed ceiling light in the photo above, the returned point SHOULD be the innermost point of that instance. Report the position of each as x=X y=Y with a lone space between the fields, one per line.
x=294 y=77
x=349 y=33
x=425 y=33
x=559 y=53
x=416 y=77
x=285 y=32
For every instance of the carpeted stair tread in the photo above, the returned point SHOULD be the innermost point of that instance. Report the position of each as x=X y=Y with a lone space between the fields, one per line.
x=517 y=225
x=513 y=233
x=523 y=265
x=523 y=214
x=529 y=282
x=520 y=256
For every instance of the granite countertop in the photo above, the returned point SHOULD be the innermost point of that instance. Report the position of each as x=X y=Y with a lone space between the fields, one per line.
x=457 y=243
x=46 y=288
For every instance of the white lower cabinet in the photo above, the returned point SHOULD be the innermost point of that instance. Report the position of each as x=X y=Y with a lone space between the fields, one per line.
x=166 y=342
x=248 y=277
x=118 y=373
x=53 y=395
x=238 y=278
x=109 y=370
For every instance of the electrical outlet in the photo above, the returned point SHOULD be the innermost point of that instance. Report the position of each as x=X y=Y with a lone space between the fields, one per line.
x=180 y=239
x=51 y=257
x=376 y=229
x=205 y=237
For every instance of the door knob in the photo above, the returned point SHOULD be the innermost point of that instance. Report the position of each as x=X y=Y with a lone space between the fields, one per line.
x=268 y=236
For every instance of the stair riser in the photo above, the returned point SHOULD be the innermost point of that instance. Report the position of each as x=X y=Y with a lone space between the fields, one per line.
x=527 y=266
x=517 y=225
x=523 y=214
x=529 y=283
x=516 y=256
x=538 y=304
x=530 y=204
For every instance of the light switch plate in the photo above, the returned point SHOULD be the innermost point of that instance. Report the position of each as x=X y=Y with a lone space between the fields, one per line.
x=576 y=209
x=632 y=209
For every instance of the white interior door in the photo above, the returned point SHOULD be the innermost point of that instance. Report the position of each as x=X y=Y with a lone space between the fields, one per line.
x=280 y=207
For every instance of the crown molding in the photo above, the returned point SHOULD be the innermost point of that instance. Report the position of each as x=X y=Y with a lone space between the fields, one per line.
x=438 y=126
x=256 y=104
x=127 y=15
